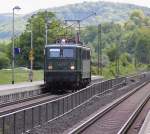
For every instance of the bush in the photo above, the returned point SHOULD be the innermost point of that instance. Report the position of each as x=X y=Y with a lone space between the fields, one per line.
x=4 y=60
x=148 y=67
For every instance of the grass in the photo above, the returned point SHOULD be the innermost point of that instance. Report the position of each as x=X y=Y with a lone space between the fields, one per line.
x=110 y=71
x=21 y=75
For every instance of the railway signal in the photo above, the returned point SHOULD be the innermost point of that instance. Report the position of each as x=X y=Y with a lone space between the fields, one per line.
x=31 y=57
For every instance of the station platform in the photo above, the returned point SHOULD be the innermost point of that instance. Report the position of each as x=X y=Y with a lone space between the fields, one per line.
x=96 y=79
x=30 y=86
x=145 y=129
x=19 y=87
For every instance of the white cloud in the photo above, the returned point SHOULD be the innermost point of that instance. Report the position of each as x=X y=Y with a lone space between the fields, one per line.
x=32 y=5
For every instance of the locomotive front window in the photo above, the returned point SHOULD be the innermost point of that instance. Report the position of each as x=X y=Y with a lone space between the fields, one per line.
x=54 y=52
x=67 y=53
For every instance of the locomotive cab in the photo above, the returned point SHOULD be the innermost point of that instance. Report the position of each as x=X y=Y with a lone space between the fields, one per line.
x=66 y=66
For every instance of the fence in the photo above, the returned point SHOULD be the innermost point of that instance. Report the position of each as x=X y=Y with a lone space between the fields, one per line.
x=24 y=120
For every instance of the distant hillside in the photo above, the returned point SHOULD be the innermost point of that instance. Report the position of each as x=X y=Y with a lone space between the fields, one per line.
x=105 y=12
x=6 y=25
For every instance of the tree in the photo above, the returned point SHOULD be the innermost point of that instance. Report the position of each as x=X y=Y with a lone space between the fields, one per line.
x=137 y=17
x=36 y=24
x=4 y=60
x=125 y=59
x=112 y=53
x=143 y=45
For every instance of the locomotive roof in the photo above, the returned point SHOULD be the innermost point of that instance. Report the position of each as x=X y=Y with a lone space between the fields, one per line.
x=67 y=45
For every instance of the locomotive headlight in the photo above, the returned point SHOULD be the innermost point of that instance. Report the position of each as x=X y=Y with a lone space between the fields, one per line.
x=50 y=67
x=72 y=67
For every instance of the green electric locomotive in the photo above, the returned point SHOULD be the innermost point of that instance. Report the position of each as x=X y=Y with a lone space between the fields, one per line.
x=67 y=66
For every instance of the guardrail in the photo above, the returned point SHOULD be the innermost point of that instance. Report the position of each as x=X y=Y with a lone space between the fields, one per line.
x=24 y=120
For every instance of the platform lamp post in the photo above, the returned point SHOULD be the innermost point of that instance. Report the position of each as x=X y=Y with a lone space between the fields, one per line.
x=13 y=43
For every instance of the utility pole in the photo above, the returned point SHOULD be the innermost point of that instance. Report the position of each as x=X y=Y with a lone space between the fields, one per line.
x=117 y=61
x=99 y=59
x=79 y=29
x=31 y=58
x=98 y=55
x=46 y=27
x=117 y=55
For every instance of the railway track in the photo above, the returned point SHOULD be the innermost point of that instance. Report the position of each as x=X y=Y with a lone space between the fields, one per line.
x=118 y=116
x=132 y=118
x=15 y=98
x=22 y=100
x=29 y=114
x=14 y=105
x=25 y=103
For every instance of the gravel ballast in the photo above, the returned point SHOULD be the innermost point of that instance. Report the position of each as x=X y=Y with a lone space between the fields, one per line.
x=59 y=125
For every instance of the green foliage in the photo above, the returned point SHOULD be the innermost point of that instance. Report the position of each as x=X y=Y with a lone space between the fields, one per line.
x=124 y=42
x=148 y=67
x=125 y=59
x=36 y=24
x=112 y=53
x=105 y=12
x=143 y=45
x=94 y=70
x=4 y=60
x=137 y=17
x=21 y=75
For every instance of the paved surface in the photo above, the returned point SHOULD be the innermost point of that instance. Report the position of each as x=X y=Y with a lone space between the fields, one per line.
x=19 y=87
x=146 y=125
x=138 y=122
x=27 y=84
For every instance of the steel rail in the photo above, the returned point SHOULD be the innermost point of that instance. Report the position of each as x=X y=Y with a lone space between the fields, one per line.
x=135 y=114
x=55 y=110
x=50 y=101
x=34 y=104
x=93 y=119
x=23 y=100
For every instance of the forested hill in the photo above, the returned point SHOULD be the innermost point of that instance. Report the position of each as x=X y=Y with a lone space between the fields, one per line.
x=105 y=12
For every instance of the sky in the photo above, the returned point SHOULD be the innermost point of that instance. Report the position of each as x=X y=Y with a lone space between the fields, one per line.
x=28 y=6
